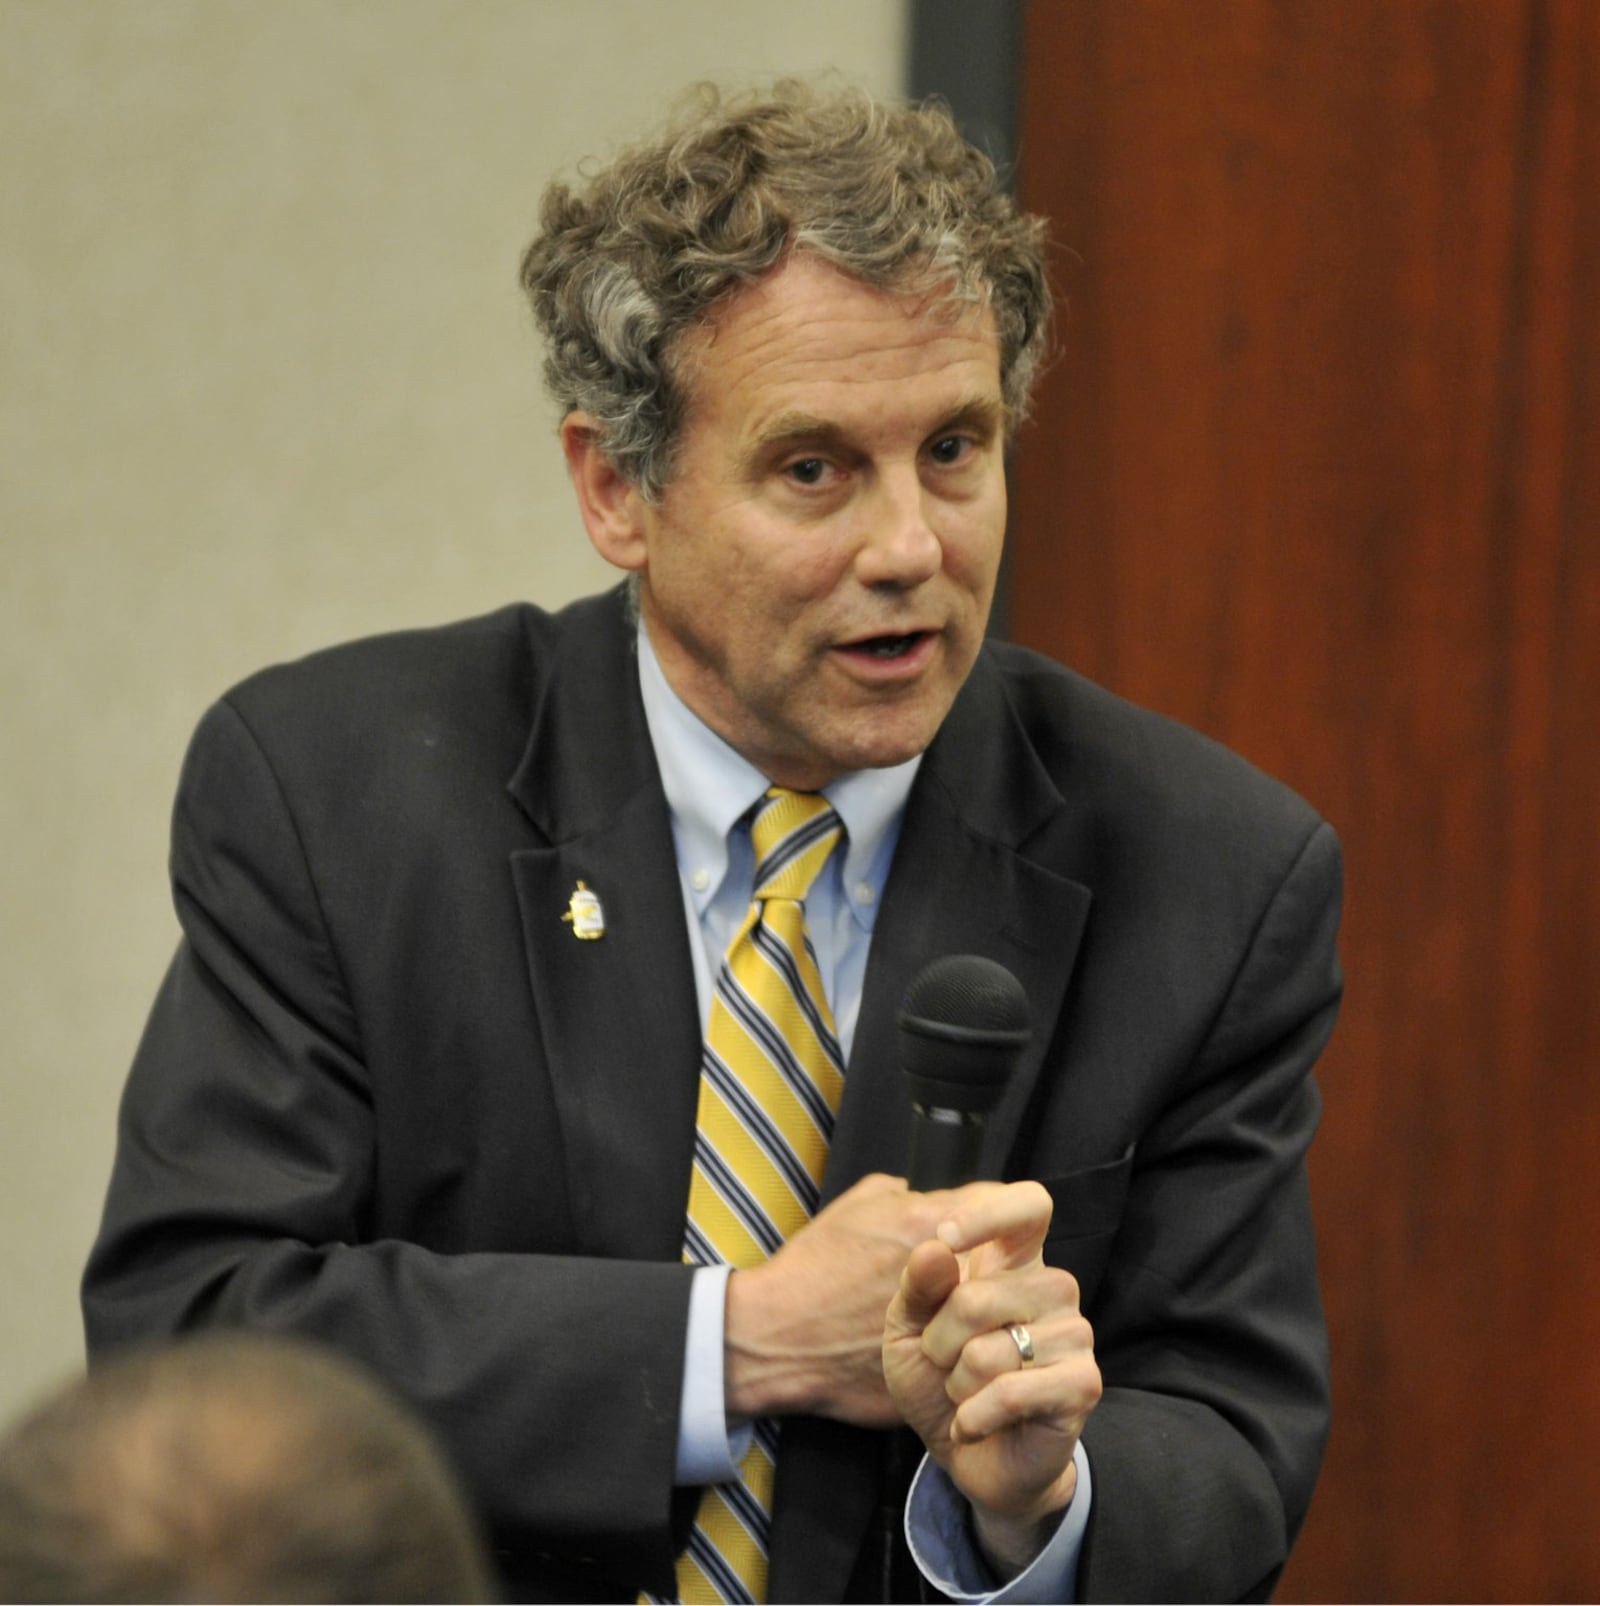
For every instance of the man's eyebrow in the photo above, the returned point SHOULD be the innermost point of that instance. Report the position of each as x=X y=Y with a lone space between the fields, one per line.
x=982 y=414
x=793 y=429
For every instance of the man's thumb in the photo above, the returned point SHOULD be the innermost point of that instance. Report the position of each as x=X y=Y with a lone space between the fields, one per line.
x=931 y=1275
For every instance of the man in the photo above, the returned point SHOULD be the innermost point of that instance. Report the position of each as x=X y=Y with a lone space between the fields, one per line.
x=429 y=1080
x=231 y=1467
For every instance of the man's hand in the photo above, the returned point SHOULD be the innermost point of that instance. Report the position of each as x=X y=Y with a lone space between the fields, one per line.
x=1004 y=1429
x=805 y=1331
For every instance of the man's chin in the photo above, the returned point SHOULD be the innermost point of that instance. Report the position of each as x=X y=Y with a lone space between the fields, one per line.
x=883 y=748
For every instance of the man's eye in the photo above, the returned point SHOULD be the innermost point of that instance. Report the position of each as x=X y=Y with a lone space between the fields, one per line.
x=807 y=471
x=950 y=449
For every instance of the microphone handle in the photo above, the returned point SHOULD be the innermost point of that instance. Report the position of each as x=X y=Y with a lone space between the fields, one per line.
x=945 y=1145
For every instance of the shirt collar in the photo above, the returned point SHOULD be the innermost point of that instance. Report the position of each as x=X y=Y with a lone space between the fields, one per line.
x=709 y=787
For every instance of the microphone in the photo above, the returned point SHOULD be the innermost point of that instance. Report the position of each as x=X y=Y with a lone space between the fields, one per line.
x=963 y=1026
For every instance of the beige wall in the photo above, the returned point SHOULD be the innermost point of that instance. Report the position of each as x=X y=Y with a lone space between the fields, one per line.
x=265 y=382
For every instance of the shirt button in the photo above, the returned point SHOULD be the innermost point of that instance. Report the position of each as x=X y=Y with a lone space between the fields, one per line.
x=700 y=880
x=864 y=893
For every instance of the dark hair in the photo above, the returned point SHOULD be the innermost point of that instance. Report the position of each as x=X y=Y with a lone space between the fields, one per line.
x=231 y=1467
x=893 y=196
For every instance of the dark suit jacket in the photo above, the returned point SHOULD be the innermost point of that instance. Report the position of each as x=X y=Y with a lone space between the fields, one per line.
x=387 y=1099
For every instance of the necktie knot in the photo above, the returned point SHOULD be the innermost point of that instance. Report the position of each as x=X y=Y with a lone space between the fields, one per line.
x=793 y=834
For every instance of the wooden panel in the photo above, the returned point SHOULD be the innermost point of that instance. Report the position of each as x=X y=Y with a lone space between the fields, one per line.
x=1319 y=471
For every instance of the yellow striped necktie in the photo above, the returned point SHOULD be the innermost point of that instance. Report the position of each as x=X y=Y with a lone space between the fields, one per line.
x=770 y=1080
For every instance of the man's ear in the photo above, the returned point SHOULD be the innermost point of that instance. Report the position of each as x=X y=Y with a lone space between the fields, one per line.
x=613 y=510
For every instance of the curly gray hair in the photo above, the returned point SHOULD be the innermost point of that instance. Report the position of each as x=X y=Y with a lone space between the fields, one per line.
x=625 y=266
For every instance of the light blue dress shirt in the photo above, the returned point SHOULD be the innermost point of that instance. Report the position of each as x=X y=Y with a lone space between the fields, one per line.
x=709 y=790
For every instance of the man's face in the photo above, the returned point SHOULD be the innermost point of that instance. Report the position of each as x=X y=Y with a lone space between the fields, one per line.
x=818 y=573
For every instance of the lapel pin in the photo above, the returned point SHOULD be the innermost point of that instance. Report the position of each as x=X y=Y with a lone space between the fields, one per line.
x=584 y=914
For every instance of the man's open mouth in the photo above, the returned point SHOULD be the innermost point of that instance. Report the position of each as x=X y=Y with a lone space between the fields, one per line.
x=888 y=646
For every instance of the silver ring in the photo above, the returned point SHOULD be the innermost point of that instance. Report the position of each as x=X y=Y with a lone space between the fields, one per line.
x=1023 y=1339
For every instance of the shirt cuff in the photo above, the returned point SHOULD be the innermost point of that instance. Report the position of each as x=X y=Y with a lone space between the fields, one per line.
x=707 y=1452
x=940 y=1535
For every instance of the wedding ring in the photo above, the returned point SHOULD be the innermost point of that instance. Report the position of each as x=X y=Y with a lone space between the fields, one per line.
x=1023 y=1339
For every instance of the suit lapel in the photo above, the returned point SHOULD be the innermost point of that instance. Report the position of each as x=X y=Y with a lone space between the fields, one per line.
x=983 y=867
x=619 y=1028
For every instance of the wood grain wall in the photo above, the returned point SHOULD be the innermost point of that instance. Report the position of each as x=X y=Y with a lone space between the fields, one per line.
x=1319 y=472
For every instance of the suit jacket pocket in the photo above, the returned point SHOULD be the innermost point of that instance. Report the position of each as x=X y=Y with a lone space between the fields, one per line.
x=1087 y=1213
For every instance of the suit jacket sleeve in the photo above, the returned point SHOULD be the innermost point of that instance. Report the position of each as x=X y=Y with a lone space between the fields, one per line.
x=256 y=1184
x=1209 y=1328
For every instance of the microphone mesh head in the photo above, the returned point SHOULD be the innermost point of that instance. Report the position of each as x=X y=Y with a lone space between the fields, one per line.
x=968 y=991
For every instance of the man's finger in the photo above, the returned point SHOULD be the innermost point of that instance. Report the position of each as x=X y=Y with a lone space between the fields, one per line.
x=1012 y=1216
x=1042 y=1298
x=1059 y=1397
x=931 y=1275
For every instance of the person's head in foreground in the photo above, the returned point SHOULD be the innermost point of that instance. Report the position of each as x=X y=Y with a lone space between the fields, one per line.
x=230 y=1468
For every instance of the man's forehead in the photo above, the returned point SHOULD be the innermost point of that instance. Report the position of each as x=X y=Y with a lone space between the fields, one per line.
x=803 y=285
x=808 y=331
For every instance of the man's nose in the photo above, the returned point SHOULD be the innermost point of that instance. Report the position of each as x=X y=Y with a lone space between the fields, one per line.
x=899 y=545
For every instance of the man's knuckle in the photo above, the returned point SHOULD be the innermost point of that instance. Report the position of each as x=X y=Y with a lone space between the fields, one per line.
x=960 y=1301
x=1061 y=1286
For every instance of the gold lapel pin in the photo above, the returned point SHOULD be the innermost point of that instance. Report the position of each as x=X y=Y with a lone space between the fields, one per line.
x=584 y=914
